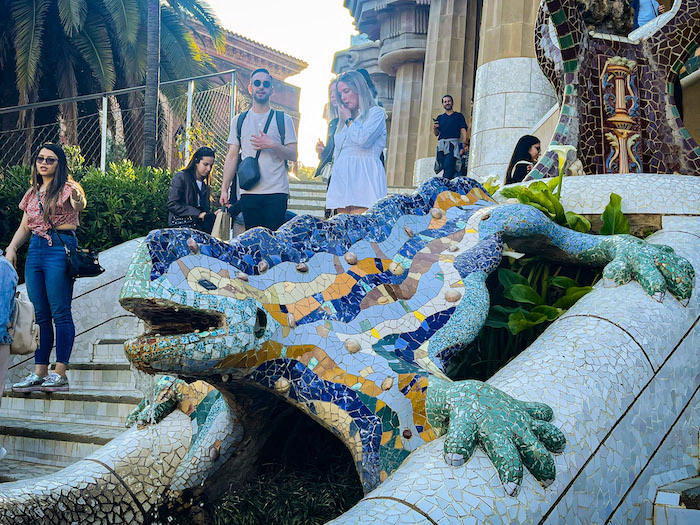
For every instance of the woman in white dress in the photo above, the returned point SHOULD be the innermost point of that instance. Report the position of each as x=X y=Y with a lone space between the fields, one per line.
x=358 y=179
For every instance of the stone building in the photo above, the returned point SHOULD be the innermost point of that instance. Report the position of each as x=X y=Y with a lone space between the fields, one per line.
x=420 y=50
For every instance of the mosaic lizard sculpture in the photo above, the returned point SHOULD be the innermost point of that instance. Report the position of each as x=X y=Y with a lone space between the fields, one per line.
x=353 y=320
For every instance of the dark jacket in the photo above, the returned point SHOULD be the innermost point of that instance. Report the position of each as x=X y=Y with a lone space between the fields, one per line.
x=327 y=154
x=182 y=197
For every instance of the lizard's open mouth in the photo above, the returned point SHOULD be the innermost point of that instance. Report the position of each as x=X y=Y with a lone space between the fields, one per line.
x=165 y=318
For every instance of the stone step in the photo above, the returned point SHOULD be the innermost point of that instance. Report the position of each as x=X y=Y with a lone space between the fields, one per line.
x=53 y=443
x=83 y=406
x=316 y=211
x=678 y=503
x=101 y=351
x=101 y=376
x=17 y=469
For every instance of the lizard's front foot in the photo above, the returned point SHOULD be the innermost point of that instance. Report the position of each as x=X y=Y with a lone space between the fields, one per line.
x=655 y=267
x=513 y=433
x=166 y=399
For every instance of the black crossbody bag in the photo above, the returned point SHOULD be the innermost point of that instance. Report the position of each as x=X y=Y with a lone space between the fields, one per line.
x=80 y=262
x=248 y=171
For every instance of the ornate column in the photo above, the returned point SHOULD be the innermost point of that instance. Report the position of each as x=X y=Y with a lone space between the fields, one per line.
x=511 y=93
x=403 y=27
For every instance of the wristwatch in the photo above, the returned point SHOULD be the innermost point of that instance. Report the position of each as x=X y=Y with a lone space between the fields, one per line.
x=348 y=121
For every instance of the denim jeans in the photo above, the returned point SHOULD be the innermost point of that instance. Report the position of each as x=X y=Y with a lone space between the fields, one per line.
x=50 y=290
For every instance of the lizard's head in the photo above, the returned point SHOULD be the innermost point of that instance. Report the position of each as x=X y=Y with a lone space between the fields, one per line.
x=196 y=306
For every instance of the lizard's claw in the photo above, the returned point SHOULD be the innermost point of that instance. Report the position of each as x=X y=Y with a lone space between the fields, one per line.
x=655 y=267
x=513 y=433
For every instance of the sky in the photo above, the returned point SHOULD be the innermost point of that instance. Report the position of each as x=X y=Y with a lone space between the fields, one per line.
x=311 y=30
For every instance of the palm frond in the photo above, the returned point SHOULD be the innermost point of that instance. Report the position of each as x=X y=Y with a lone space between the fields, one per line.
x=125 y=17
x=72 y=14
x=28 y=16
x=94 y=45
x=177 y=47
x=206 y=15
x=133 y=63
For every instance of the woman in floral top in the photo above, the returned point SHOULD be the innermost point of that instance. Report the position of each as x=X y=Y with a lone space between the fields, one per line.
x=51 y=208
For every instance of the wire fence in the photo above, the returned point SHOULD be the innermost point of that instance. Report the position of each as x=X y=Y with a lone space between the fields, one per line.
x=108 y=127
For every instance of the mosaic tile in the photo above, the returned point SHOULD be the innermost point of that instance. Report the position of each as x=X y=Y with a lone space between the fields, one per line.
x=631 y=126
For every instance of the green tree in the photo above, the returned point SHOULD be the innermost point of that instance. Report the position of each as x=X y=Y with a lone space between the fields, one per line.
x=62 y=48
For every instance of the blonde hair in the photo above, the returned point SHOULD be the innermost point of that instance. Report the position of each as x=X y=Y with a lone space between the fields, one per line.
x=357 y=84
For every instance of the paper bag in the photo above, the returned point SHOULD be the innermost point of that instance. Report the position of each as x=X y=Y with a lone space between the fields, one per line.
x=222 y=226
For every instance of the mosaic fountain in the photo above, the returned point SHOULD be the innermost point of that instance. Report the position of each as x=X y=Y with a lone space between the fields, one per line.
x=353 y=321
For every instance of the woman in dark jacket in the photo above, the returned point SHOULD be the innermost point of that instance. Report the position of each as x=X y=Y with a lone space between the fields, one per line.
x=189 y=198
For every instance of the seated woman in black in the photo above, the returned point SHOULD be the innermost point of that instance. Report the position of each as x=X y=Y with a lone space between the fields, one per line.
x=189 y=198
x=525 y=155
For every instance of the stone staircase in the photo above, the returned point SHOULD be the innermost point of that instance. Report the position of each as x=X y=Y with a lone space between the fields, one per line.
x=309 y=197
x=46 y=432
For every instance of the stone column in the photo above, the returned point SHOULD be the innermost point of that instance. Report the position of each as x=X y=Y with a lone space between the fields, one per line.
x=401 y=144
x=402 y=32
x=449 y=69
x=511 y=93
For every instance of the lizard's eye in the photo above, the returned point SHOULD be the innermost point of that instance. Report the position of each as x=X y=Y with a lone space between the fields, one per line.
x=207 y=284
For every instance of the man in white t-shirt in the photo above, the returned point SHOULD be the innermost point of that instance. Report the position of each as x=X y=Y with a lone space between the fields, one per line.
x=266 y=203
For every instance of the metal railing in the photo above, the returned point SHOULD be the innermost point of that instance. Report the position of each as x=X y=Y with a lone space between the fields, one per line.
x=109 y=126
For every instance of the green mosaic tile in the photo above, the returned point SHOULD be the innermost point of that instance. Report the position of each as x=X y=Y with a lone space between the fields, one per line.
x=558 y=17
x=570 y=66
x=566 y=41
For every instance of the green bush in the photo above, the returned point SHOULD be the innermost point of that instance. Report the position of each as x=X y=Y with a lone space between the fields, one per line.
x=527 y=295
x=14 y=182
x=124 y=203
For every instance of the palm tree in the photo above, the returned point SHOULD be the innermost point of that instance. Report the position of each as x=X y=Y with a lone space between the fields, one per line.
x=150 y=133
x=62 y=48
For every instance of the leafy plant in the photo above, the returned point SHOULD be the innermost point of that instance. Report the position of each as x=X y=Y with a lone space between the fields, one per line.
x=492 y=184
x=527 y=295
x=539 y=195
x=198 y=137
x=614 y=221
x=124 y=203
x=76 y=161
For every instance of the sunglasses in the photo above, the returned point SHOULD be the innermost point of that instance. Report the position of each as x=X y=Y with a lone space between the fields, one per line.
x=49 y=161
x=265 y=83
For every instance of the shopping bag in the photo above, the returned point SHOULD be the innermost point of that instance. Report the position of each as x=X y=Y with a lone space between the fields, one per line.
x=222 y=226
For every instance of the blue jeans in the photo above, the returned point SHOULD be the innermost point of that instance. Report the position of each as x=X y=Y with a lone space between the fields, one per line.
x=50 y=290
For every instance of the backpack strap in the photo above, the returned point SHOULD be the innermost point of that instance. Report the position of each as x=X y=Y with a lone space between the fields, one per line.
x=239 y=125
x=279 y=115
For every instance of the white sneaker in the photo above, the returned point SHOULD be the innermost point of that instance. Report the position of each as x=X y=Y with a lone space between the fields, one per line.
x=3 y=453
